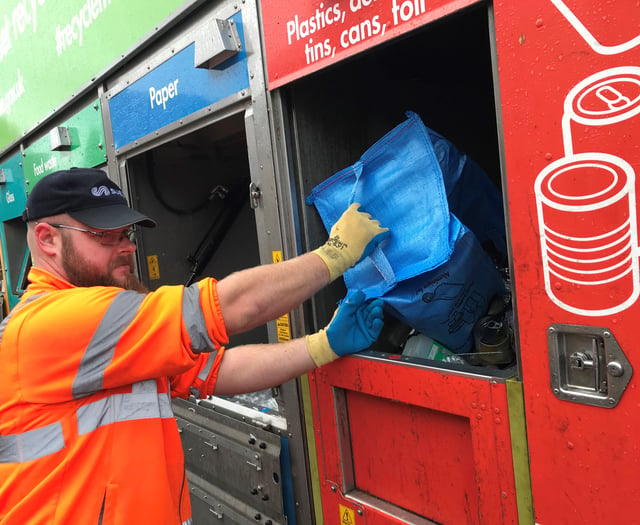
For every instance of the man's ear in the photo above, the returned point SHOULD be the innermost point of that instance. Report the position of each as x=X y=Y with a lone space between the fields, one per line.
x=47 y=238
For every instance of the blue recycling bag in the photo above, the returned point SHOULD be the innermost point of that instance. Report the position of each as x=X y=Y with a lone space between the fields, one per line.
x=440 y=206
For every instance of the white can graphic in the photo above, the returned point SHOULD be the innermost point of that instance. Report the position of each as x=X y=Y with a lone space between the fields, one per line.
x=599 y=113
x=588 y=233
x=607 y=35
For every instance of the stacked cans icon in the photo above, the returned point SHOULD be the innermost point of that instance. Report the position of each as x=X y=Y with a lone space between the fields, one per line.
x=586 y=200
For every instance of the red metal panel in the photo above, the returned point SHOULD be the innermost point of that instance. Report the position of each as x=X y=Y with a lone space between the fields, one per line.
x=418 y=438
x=432 y=443
x=305 y=36
x=570 y=93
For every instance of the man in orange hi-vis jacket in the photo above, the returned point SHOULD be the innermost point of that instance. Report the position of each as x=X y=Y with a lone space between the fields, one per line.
x=89 y=360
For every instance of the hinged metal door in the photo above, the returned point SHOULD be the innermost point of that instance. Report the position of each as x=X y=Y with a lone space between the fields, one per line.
x=570 y=97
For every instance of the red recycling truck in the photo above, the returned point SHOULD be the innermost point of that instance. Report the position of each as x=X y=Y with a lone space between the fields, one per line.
x=186 y=103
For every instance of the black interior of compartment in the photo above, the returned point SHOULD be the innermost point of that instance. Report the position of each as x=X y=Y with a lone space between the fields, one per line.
x=442 y=71
x=196 y=188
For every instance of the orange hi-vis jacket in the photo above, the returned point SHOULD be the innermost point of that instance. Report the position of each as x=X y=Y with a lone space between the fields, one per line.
x=87 y=434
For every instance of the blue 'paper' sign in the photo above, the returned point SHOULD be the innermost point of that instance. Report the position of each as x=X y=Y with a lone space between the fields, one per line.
x=174 y=90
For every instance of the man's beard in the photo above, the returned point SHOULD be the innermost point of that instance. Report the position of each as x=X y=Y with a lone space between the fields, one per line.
x=82 y=273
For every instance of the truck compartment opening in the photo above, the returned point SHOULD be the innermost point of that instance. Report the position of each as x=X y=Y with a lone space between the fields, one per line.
x=443 y=72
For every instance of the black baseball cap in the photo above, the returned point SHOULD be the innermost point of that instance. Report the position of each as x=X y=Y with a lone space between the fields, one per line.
x=87 y=195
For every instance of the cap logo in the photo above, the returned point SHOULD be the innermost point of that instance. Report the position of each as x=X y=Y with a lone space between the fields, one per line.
x=105 y=191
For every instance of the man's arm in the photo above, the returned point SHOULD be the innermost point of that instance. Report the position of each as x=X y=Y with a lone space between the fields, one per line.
x=354 y=327
x=255 y=296
x=255 y=367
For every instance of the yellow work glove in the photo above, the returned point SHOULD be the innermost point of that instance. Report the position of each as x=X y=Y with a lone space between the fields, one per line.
x=353 y=237
x=355 y=326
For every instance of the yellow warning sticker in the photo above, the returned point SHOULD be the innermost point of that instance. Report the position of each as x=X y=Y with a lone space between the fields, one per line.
x=347 y=516
x=153 y=267
x=282 y=323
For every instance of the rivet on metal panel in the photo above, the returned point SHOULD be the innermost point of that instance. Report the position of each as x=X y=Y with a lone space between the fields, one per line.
x=360 y=512
x=334 y=488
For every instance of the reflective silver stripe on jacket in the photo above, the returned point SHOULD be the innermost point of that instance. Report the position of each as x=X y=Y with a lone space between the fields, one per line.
x=143 y=402
x=188 y=522
x=99 y=353
x=204 y=373
x=194 y=320
x=33 y=444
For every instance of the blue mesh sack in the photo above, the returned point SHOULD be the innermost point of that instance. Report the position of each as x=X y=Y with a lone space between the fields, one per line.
x=440 y=206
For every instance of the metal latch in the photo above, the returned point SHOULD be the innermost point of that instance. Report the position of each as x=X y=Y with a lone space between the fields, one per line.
x=587 y=365
x=255 y=195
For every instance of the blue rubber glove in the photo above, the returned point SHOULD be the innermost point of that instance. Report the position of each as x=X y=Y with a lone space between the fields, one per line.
x=354 y=327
